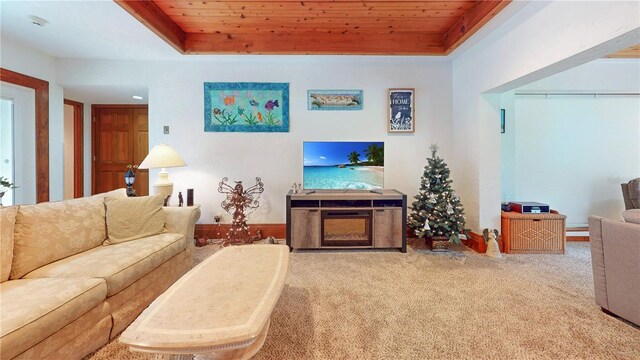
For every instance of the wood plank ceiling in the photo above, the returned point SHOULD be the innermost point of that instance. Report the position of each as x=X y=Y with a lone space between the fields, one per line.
x=356 y=27
x=628 y=53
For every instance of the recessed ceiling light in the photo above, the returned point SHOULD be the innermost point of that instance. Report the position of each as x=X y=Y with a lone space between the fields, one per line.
x=137 y=97
x=36 y=20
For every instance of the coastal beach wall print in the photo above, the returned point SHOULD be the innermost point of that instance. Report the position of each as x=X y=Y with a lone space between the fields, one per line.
x=334 y=99
x=401 y=110
x=343 y=165
x=246 y=107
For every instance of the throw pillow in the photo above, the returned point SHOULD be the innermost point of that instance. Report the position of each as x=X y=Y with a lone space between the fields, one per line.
x=48 y=232
x=117 y=193
x=8 y=221
x=133 y=218
x=632 y=216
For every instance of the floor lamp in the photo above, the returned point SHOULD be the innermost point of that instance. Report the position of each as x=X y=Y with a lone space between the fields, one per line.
x=162 y=156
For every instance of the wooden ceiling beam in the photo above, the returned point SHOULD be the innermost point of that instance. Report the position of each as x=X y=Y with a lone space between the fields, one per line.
x=148 y=13
x=471 y=21
x=628 y=53
x=314 y=44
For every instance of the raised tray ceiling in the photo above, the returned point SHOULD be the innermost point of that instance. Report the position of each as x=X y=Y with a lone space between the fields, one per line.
x=357 y=27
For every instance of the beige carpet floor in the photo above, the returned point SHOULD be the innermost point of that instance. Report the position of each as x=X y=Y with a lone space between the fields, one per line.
x=424 y=305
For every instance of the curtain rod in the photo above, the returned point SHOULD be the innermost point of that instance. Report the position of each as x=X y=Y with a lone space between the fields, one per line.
x=577 y=94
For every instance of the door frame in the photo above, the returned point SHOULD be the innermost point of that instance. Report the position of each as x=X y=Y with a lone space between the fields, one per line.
x=41 y=88
x=78 y=147
x=94 y=110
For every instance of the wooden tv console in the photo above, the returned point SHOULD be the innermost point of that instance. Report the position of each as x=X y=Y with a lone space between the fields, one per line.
x=378 y=219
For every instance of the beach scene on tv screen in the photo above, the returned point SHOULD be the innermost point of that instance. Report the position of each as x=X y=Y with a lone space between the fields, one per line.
x=343 y=165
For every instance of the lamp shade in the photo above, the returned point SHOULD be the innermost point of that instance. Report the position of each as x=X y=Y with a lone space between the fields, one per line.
x=162 y=156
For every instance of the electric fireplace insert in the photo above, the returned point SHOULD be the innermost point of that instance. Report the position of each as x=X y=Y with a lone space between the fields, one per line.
x=346 y=228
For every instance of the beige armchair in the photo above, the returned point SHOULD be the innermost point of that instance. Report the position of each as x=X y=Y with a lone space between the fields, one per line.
x=631 y=194
x=615 y=258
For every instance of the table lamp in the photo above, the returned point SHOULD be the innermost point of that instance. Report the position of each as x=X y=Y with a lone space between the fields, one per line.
x=162 y=156
x=129 y=179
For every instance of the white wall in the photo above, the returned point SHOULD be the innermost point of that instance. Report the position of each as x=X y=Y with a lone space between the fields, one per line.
x=508 y=147
x=601 y=76
x=541 y=39
x=18 y=58
x=573 y=152
x=56 y=142
x=176 y=99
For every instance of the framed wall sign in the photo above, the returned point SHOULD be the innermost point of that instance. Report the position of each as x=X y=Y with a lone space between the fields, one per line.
x=246 y=107
x=401 y=110
x=334 y=99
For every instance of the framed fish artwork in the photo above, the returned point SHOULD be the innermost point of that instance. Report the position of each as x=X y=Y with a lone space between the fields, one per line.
x=246 y=107
x=401 y=110
x=334 y=99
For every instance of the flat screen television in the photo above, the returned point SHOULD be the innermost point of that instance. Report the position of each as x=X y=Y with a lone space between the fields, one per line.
x=357 y=165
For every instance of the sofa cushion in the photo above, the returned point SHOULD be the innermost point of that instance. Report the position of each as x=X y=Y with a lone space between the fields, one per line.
x=48 y=232
x=134 y=218
x=7 y=225
x=120 y=264
x=34 y=309
x=631 y=216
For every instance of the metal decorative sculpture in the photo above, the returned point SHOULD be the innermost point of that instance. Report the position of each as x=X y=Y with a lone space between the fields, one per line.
x=240 y=203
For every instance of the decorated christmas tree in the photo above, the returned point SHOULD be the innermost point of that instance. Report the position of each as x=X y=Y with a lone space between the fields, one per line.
x=437 y=210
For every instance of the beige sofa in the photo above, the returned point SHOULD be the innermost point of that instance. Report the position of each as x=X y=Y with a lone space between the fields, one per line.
x=615 y=258
x=66 y=290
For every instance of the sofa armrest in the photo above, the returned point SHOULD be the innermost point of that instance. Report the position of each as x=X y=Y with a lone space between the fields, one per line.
x=182 y=220
x=597 y=261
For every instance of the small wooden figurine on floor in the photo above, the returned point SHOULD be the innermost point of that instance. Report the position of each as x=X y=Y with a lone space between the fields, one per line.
x=240 y=203
x=180 y=199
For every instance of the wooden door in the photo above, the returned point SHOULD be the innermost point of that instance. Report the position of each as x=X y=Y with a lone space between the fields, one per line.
x=120 y=139
x=387 y=228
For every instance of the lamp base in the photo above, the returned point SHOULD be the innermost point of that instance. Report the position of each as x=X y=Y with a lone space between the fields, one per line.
x=131 y=192
x=165 y=190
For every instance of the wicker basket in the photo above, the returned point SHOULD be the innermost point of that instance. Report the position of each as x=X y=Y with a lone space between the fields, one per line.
x=534 y=233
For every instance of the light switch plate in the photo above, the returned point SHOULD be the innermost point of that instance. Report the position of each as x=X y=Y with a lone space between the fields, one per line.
x=166 y=129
